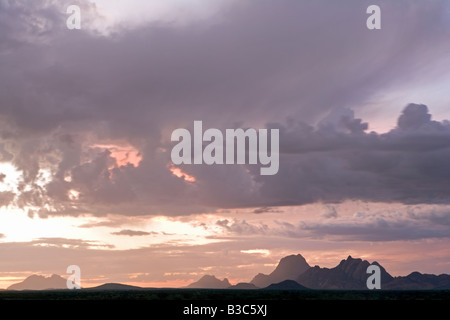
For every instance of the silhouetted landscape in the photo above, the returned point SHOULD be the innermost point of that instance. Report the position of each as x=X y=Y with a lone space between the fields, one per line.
x=292 y=279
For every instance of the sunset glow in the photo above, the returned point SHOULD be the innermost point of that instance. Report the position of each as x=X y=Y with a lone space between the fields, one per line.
x=123 y=154
x=154 y=142
x=177 y=172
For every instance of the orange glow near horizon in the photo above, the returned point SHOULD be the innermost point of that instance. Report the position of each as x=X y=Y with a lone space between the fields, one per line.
x=177 y=283
x=180 y=237
x=7 y=281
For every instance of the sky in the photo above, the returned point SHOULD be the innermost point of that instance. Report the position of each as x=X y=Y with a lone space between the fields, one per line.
x=86 y=117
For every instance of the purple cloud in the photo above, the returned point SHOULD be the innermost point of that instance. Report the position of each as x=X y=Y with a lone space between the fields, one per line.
x=64 y=93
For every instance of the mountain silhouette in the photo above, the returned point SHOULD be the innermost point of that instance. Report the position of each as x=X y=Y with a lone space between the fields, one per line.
x=243 y=286
x=291 y=273
x=210 y=282
x=289 y=268
x=115 y=287
x=349 y=274
x=419 y=281
x=286 y=285
x=37 y=282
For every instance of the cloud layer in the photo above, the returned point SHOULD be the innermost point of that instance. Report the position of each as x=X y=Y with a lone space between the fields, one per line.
x=70 y=100
x=334 y=161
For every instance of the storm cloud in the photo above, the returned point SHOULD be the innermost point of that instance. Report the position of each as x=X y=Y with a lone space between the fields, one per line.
x=68 y=99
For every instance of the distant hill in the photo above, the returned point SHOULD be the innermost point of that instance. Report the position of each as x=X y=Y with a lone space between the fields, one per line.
x=243 y=286
x=115 y=287
x=350 y=274
x=286 y=285
x=210 y=282
x=289 y=268
x=37 y=282
x=419 y=281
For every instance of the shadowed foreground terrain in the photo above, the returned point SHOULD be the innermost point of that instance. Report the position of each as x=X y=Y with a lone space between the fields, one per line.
x=225 y=294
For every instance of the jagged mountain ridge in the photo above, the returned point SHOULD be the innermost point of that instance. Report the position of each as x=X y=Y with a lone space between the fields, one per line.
x=349 y=274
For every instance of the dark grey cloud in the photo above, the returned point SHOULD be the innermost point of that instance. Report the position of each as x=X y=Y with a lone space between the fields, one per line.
x=379 y=227
x=414 y=117
x=423 y=223
x=330 y=212
x=265 y=210
x=242 y=227
x=435 y=216
x=63 y=92
x=332 y=163
x=111 y=221
x=132 y=233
